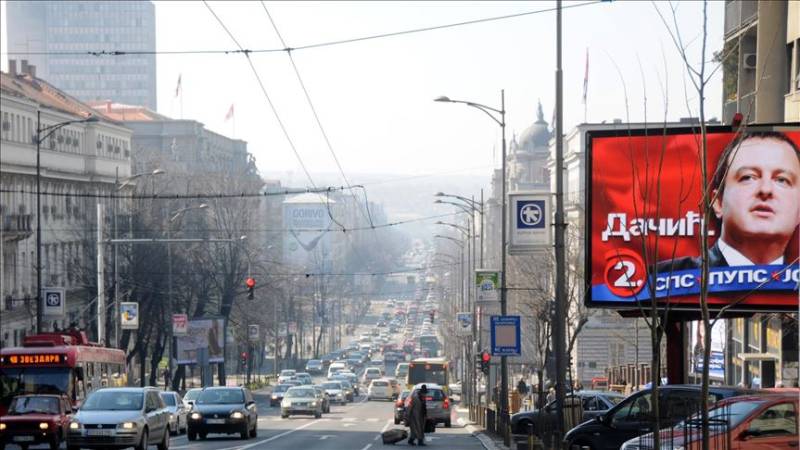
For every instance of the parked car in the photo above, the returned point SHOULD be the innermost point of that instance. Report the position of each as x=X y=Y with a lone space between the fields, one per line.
x=633 y=416
x=301 y=400
x=380 y=389
x=137 y=417
x=593 y=403
x=227 y=410
x=190 y=396
x=739 y=423
x=314 y=366
x=400 y=407
x=436 y=403
x=177 y=412
x=336 y=392
x=286 y=374
x=277 y=394
x=322 y=394
x=35 y=419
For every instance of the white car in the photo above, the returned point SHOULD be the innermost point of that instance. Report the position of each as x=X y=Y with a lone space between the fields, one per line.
x=286 y=375
x=335 y=392
x=336 y=367
x=380 y=389
x=372 y=373
x=190 y=396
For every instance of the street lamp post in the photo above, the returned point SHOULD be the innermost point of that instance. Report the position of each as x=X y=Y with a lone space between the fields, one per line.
x=39 y=138
x=492 y=112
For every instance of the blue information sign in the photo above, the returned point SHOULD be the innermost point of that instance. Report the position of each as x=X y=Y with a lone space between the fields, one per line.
x=505 y=335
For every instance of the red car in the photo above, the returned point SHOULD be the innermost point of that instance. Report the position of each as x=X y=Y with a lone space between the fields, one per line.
x=35 y=419
x=765 y=421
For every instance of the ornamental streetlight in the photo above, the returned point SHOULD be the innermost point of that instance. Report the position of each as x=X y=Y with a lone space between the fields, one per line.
x=493 y=114
x=43 y=133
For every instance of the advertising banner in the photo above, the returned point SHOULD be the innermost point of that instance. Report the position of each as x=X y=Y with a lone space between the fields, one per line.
x=716 y=366
x=505 y=335
x=308 y=220
x=487 y=285
x=180 y=324
x=464 y=324
x=529 y=222
x=645 y=213
x=253 y=333
x=54 y=301
x=129 y=315
x=202 y=334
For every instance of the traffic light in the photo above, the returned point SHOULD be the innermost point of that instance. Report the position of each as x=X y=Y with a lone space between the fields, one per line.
x=244 y=359
x=251 y=286
x=432 y=315
x=486 y=358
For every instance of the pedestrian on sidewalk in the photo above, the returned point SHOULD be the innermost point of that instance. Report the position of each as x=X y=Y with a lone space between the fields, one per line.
x=522 y=388
x=416 y=416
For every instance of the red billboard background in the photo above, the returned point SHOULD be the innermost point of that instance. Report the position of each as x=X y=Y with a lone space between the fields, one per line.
x=654 y=175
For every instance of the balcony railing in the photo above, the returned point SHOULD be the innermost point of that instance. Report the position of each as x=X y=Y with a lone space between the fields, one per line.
x=16 y=226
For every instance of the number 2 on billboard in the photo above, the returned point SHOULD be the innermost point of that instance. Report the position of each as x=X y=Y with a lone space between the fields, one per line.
x=624 y=274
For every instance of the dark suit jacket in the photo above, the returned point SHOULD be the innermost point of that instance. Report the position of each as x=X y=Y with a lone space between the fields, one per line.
x=715 y=259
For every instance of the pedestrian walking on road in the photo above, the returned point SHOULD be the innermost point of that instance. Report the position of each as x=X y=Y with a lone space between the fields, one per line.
x=417 y=414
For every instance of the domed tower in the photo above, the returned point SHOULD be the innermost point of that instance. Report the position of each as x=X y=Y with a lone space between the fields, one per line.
x=527 y=158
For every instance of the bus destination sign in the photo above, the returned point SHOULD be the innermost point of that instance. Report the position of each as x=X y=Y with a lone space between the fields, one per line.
x=33 y=359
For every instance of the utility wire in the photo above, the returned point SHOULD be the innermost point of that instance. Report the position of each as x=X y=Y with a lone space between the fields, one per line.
x=270 y=193
x=100 y=53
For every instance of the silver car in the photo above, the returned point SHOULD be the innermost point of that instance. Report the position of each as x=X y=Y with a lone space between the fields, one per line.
x=119 y=418
x=436 y=403
x=301 y=400
x=177 y=412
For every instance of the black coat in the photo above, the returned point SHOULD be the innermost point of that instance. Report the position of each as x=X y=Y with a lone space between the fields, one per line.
x=715 y=259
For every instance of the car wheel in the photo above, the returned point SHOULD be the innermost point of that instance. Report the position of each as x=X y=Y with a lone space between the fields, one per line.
x=581 y=445
x=245 y=433
x=284 y=416
x=254 y=431
x=317 y=414
x=164 y=444
x=191 y=435
x=55 y=443
x=203 y=435
x=448 y=424
x=173 y=431
x=525 y=426
x=142 y=442
x=396 y=421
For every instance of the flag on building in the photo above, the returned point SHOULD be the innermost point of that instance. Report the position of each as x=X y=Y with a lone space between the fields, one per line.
x=178 y=86
x=586 y=78
x=229 y=115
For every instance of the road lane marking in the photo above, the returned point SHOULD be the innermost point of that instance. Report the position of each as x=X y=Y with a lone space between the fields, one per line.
x=383 y=430
x=270 y=439
x=367 y=446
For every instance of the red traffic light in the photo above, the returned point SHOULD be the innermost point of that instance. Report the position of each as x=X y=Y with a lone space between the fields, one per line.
x=486 y=357
x=244 y=355
x=250 y=283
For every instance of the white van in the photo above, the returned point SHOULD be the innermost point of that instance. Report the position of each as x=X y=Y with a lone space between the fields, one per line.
x=336 y=366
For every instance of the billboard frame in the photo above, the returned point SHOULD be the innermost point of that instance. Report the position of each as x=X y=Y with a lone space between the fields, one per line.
x=630 y=308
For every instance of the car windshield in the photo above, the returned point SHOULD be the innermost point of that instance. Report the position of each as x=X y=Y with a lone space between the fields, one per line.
x=169 y=399
x=380 y=383
x=287 y=373
x=614 y=400
x=33 y=380
x=280 y=388
x=331 y=385
x=113 y=400
x=192 y=394
x=33 y=405
x=220 y=397
x=728 y=415
x=299 y=393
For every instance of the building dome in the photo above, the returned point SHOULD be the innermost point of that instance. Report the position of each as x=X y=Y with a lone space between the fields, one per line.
x=537 y=135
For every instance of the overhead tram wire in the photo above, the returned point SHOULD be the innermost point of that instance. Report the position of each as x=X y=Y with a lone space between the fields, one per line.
x=246 y=54
x=316 y=115
x=100 y=53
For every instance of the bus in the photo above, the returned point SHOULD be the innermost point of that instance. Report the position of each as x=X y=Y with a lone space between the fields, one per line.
x=63 y=362
x=429 y=370
x=429 y=344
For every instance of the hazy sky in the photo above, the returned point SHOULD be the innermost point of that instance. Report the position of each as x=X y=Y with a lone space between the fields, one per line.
x=374 y=97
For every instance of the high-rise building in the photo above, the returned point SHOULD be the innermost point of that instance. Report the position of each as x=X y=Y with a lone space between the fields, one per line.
x=59 y=37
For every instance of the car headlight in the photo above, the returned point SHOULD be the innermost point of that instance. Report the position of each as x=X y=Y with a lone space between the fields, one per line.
x=74 y=426
x=44 y=425
x=237 y=415
x=274 y=396
x=2 y=426
x=286 y=403
x=314 y=403
x=196 y=416
x=127 y=425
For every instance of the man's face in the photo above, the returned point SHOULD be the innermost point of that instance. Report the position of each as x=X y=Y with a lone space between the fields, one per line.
x=761 y=197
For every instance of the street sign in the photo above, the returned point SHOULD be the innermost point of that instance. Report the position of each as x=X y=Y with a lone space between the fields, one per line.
x=180 y=324
x=529 y=222
x=487 y=285
x=54 y=301
x=505 y=335
x=464 y=324
x=129 y=315
x=253 y=333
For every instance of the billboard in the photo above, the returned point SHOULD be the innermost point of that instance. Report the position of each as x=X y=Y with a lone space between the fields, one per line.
x=308 y=220
x=529 y=220
x=487 y=285
x=644 y=217
x=129 y=315
x=202 y=335
x=716 y=363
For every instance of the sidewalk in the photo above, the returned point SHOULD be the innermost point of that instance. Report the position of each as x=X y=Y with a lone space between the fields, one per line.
x=488 y=441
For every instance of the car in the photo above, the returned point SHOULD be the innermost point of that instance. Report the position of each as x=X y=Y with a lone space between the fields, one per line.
x=371 y=373
x=322 y=394
x=301 y=400
x=177 y=412
x=277 y=394
x=314 y=366
x=401 y=371
x=350 y=391
x=397 y=388
x=376 y=363
x=455 y=388
x=304 y=378
x=593 y=403
x=336 y=392
x=436 y=402
x=35 y=419
x=353 y=364
x=119 y=418
x=286 y=374
x=353 y=379
x=190 y=396
x=766 y=420
x=336 y=367
x=380 y=389
x=227 y=410
x=400 y=407
x=632 y=416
